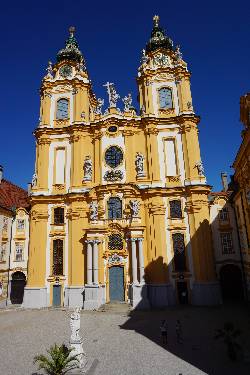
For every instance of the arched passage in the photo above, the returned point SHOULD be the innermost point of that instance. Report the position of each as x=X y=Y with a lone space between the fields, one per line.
x=231 y=282
x=18 y=282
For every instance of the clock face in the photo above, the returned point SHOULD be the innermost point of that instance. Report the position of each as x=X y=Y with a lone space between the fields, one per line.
x=66 y=71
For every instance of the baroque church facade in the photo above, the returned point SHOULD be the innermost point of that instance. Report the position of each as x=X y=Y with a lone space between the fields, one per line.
x=119 y=200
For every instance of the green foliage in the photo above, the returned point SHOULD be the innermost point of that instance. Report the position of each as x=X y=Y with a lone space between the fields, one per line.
x=58 y=362
x=229 y=335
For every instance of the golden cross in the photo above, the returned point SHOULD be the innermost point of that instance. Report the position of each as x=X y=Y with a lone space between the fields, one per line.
x=156 y=21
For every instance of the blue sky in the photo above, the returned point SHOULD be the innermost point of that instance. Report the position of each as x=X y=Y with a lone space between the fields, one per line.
x=214 y=38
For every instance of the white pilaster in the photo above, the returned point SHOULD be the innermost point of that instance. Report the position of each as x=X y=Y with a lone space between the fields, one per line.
x=141 y=261
x=134 y=261
x=89 y=262
x=95 y=261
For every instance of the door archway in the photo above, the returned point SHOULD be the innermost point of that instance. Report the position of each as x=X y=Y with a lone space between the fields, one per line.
x=18 y=283
x=231 y=282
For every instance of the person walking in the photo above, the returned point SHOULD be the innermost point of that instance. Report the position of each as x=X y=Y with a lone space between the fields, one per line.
x=178 y=331
x=164 y=332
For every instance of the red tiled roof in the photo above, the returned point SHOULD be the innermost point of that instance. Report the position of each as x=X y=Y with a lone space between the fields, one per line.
x=12 y=195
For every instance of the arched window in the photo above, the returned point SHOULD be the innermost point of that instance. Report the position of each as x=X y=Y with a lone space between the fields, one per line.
x=179 y=252
x=165 y=98
x=114 y=208
x=58 y=257
x=62 y=110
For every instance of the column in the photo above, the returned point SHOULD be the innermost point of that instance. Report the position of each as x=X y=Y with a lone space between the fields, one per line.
x=141 y=261
x=89 y=262
x=134 y=261
x=95 y=261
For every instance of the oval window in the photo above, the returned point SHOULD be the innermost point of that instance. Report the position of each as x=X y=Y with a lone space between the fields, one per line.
x=112 y=129
x=113 y=156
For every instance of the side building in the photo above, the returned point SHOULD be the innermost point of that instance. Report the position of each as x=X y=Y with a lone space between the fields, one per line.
x=119 y=203
x=14 y=241
x=241 y=197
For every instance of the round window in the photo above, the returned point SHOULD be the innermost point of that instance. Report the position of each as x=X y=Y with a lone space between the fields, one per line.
x=112 y=129
x=113 y=156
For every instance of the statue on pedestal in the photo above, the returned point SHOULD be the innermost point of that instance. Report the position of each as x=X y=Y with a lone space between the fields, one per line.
x=113 y=96
x=76 y=340
x=139 y=165
x=135 y=207
x=87 y=168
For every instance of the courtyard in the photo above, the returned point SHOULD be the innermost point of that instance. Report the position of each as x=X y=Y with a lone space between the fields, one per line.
x=119 y=341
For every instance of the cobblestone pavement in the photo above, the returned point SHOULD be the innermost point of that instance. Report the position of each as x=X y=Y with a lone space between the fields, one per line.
x=125 y=343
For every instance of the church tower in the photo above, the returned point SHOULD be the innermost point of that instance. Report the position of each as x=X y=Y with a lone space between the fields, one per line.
x=119 y=199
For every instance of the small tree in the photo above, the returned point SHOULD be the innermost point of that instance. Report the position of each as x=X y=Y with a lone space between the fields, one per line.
x=229 y=335
x=59 y=361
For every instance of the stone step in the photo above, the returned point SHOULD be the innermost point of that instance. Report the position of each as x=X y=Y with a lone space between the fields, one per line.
x=116 y=307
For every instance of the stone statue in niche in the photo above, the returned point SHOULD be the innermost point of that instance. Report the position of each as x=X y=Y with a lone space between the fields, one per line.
x=98 y=108
x=113 y=96
x=93 y=211
x=139 y=165
x=200 y=168
x=76 y=340
x=34 y=180
x=87 y=168
x=127 y=100
x=135 y=207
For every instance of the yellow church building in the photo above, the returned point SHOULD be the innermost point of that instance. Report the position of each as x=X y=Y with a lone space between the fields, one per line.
x=119 y=201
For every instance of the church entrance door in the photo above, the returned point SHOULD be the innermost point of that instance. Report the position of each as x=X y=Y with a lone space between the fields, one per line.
x=17 y=287
x=116 y=283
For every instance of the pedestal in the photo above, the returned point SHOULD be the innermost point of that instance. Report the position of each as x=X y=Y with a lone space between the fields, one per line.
x=161 y=295
x=35 y=298
x=139 y=297
x=206 y=294
x=92 y=297
x=74 y=296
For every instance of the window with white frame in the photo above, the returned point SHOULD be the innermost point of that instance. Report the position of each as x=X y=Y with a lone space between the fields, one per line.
x=62 y=110
x=224 y=214
x=165 y=98
x=20 y=224
x=2 y=252
x=19 y=252
x=226 y=243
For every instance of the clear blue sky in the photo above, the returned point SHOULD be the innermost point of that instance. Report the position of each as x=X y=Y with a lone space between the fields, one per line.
x=214 y=37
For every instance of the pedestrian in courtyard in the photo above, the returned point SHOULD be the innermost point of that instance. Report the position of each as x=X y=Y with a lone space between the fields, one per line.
x=164 y=332
x=178 y=331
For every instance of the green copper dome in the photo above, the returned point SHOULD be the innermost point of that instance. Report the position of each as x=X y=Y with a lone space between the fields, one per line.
x=158 y=38
x=71 y=51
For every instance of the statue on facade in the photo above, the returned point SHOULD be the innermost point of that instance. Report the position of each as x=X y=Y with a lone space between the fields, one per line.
x=127 y=100
x=178 y=54
x=76 y=340
x=49 y=70
x=200 y=168
x=139 y=165
x=113 y=96
x=81 y=65
x=135 y=207
x=93 y=211
x=98 y=108
x=34 y=180
x=144 y=58
x=87 y=168
x=143 y=110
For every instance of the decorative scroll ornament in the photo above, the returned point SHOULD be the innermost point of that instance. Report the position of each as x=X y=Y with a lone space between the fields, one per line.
x=200 y=168
x=34 y=180
x=93 y=211
x=81 y=65
x=98 y=108
x=113 y=96
x=160 y=60
x=87 y=168
x=115 y=258
x=113 y=176
x=135 y=207
x=127 y=100
x=139 y=165
x=49 y=70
